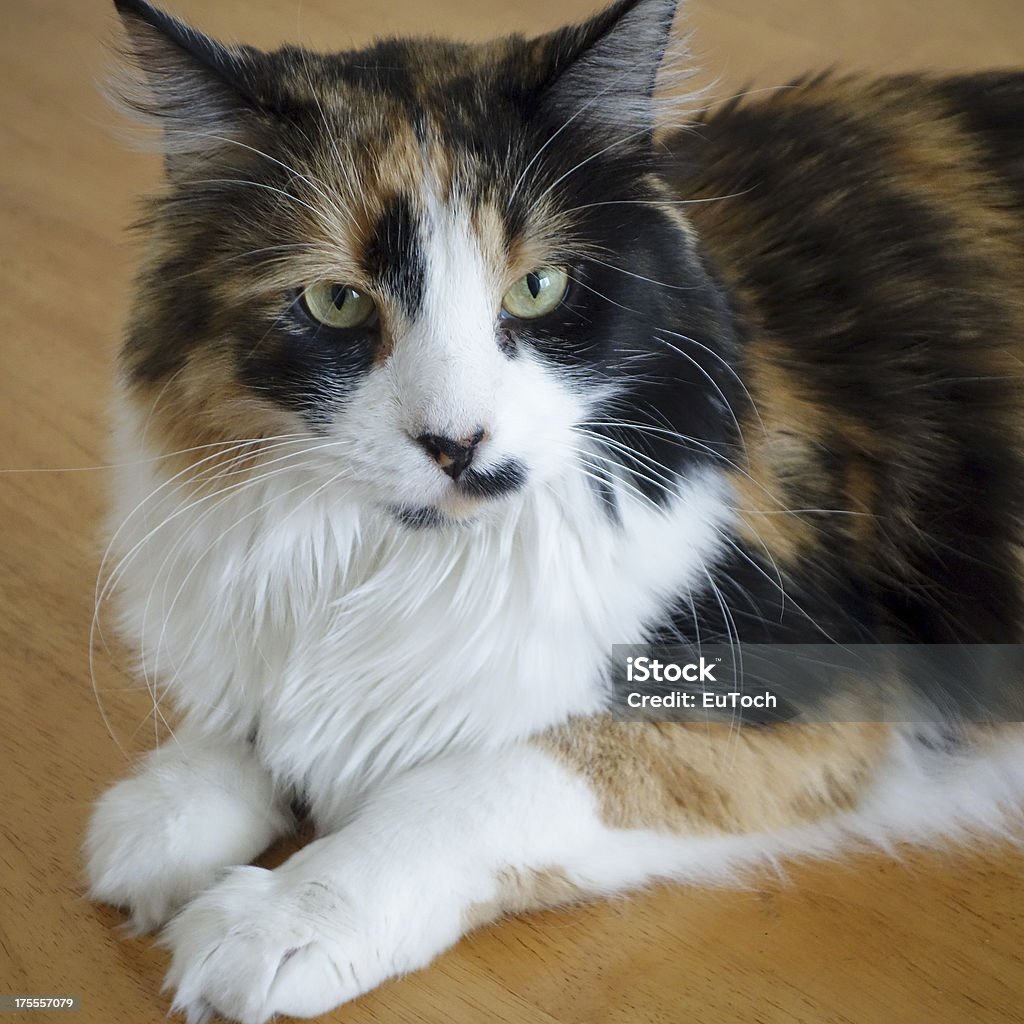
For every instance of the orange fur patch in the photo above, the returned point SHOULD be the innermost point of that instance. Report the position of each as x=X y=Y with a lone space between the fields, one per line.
x=715 y=779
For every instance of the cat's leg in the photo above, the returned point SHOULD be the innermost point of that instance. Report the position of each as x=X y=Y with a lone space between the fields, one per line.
x=595 y=808
x=194 y=806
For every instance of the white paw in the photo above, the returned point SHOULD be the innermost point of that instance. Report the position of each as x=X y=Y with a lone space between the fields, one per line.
x=157 y=839
x=133 y=860
x=258 y=943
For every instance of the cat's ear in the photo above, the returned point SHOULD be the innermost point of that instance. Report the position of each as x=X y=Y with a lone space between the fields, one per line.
x=604 y=71
x=202 y=95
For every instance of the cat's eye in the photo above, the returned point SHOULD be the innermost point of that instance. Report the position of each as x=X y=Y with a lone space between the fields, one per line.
x=338 y=305
x=536 y=293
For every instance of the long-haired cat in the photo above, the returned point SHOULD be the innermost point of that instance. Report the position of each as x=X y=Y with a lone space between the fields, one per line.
x=449 y=368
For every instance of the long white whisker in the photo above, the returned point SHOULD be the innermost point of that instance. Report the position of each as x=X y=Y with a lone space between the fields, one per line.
x=169 y=609
x=658 y=202
x=551 y=138
x=100 y=591
x=711 y=380
x=258 y=184
x=296 y=174
x=593 y=156
x=729 y=367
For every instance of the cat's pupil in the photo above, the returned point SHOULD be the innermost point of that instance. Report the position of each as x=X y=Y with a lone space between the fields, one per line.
x=533 y=283
x=339 y=293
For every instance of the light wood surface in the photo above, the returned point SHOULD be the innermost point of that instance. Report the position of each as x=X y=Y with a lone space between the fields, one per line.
x=932 y=938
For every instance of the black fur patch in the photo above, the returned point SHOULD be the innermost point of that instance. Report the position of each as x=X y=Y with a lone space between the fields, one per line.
x=992 y=107
x=893 y=320
x=418 y=518
x=394 y=255
x=303 y=365
x=496 y=482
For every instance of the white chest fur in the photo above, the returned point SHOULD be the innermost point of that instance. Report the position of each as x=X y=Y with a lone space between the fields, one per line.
x=355 y=646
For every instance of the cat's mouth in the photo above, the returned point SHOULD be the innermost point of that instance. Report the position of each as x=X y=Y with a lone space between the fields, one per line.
x=467 y=496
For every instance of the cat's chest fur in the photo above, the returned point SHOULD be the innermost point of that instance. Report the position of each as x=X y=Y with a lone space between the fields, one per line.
x=352 y=646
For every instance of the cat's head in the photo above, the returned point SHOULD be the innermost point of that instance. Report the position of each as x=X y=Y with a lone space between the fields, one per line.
x=453 y=270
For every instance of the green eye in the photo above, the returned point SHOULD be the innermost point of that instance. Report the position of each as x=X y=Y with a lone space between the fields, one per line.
x=338 y=305
x=536 y=293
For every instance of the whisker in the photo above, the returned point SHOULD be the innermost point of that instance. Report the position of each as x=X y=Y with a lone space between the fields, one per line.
x=551 y=138
x=659 y=202
x=668 y=479
x=711 y=380
x=257 y=184
x=101 y=590
x=593 y=156
x=641 y=277
x=729 y=367
x=169 y=610
x=297 y=175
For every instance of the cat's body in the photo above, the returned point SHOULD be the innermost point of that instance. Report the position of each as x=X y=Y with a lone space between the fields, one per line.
x=789 y=415
x=875 y=249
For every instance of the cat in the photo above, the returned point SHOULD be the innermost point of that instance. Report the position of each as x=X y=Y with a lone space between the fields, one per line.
x=452 y=366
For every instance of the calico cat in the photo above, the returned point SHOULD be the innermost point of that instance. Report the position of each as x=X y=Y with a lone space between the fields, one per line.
x=450 y=367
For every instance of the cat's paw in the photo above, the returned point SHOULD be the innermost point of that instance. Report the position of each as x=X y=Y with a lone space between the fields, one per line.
x=158 y=838
x=134 y=858
x=259 y=944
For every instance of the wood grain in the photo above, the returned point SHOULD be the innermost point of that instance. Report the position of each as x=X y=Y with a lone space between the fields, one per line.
x=933 y=937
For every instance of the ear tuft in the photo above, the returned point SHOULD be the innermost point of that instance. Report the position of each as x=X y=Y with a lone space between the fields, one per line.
x=605 y=70
x=198 y=92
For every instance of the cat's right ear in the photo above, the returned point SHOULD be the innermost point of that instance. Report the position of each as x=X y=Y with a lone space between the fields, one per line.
x=203 y=96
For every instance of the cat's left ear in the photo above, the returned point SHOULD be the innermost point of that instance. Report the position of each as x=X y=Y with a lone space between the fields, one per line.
x=604 y=71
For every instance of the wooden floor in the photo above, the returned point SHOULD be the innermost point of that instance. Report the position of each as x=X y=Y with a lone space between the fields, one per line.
x=934 y=938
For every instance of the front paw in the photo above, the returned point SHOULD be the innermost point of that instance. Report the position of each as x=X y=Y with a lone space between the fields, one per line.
x=257 y=944
x=135 y=857
x=163 y=835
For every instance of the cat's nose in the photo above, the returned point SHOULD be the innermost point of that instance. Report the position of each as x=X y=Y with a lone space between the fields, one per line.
x=453 y=455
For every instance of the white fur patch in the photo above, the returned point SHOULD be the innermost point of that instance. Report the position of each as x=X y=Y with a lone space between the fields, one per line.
x=357 y=647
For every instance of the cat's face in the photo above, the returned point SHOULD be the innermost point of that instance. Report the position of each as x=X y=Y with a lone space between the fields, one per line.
x=453 y=267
